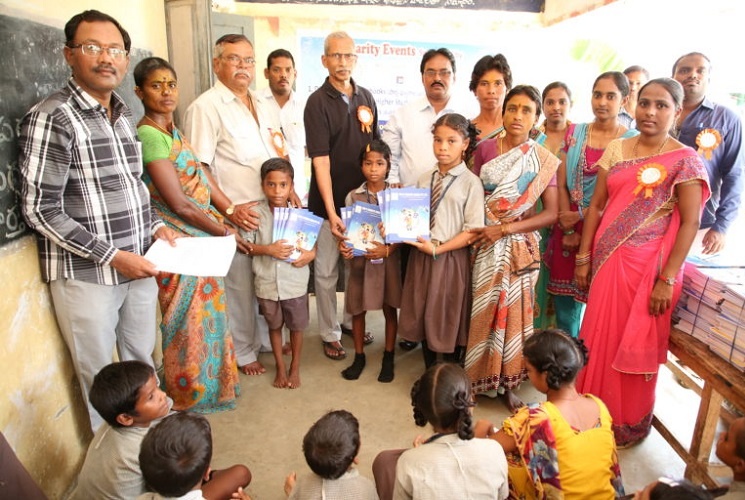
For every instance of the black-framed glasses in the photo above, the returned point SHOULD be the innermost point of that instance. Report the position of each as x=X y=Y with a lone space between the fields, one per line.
x=236 y=60
x=95 y=50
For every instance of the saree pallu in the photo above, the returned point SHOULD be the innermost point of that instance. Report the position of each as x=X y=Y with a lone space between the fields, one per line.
x=553 y=460
x=505 y=272
x=631 y=246
x=200 y=370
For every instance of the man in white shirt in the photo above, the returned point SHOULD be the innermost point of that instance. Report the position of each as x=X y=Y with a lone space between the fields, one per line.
x=281 y=112
x=409 y=130
x=223 y=125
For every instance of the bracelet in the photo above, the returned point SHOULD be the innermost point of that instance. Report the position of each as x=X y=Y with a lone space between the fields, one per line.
x=227 y=232
x=579 y=209
x=567 y=232
x=506 y=230
x=387 y=251
x=581 y=256
x=434 y=252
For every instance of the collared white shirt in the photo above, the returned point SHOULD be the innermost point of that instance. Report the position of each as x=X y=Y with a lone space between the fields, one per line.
x=408 y=133
x=288 y=120
x=225 y=135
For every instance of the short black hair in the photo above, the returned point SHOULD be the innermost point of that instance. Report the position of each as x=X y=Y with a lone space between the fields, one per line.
x=332 y=443
x=557 y=354
x=377 y=146
x=277 y=165
x=678 y=490
x=116 y=388
x=229 y=38
x=93 y=16
x=556 y=85
x=279 y=53
x=176 y=453
x=488 y=63
x=635 y=68
x=528 y=91
x=619 y=79
x=675 y=64
x=442 y=51
x=443 y=398
x=147 y=66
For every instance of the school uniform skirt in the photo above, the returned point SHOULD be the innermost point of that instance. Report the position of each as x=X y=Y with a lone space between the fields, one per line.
x=370 y=286
x=436 y=303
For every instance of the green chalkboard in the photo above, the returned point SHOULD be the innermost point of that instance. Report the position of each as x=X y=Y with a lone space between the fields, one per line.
x=32 y=67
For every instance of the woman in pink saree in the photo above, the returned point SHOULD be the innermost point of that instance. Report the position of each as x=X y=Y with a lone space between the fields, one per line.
x=641 y=222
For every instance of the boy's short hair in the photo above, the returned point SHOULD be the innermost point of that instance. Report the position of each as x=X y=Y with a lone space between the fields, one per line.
x=116 y=388
x=277 y=165
x=332 y=443
x=176 y=453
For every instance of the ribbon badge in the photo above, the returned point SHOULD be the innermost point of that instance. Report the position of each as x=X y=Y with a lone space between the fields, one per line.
x=707 y=141
x=649 y=176
x=365 y=116
x=278 y=141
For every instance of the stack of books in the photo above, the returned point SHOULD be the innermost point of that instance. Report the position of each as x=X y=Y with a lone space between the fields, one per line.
x=712 y=309
x=298 y=227
x=405 y=214
x=361 y=221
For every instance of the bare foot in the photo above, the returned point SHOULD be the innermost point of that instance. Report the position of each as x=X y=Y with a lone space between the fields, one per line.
x=512 y=402
x=286 y=349
x=294 y=380
x=254 y=368
x=280 y=380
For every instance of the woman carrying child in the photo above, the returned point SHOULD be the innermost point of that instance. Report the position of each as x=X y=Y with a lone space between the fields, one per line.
x=435 y=304
x=564 y=447
x=374 y=279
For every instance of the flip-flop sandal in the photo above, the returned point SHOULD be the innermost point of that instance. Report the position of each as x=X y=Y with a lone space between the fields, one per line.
x=338 y=349
x=368 y=339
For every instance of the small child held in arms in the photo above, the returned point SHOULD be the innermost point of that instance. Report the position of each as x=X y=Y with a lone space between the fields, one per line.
x=375 y=278
x=128 y=398
x=570 y=431
x=331 y=447
x=281 y=287
x=175 y=460
x=731 y=451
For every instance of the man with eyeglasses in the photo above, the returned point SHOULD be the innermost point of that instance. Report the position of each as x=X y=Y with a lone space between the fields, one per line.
x=224 y=125
x=282 y=110
x=408 y=131
x=340 y=119
x=81 y=165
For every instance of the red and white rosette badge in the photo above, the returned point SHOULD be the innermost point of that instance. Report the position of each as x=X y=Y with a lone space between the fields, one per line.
x=648 y=177
x=365 y=116
x=278 y=141
x=707 y=141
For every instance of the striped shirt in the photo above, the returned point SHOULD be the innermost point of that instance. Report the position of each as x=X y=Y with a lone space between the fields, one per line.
x=82 y=190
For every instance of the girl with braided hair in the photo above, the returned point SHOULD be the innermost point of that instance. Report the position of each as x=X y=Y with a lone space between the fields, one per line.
x=563 y=447
x=450 y=463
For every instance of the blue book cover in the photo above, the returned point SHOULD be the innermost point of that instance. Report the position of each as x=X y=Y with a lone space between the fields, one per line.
x=300 y=229
x=363 y=229
x=407 y=215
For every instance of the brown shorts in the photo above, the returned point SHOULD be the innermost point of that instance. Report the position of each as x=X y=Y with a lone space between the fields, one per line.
x=293 y=313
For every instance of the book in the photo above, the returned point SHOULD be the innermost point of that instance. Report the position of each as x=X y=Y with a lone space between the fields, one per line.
x=298 y=227
x=406 y=214
x=362 y=229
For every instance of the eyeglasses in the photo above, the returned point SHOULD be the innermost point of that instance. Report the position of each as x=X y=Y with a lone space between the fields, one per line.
x=338 y=57
x=443 y=73
x=236 y=60
x=95 y=50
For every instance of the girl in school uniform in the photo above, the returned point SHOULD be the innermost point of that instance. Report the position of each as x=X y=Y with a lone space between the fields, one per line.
x=375 y=278
x=435 y=306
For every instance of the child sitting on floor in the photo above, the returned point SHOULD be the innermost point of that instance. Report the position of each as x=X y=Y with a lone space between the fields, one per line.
x=175 y=461
x=330 y=447
x=731 y=451
x=563 y=447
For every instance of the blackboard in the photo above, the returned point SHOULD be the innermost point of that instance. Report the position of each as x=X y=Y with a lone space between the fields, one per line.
x=499 y=5
x=33 y=67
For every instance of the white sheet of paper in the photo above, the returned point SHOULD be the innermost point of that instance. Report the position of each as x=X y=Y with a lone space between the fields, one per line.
x=210 y=256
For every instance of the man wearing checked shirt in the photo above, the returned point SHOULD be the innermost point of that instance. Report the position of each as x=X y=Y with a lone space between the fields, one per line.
x=81 y=164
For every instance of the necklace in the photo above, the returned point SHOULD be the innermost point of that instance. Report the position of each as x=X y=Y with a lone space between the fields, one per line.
x=157 y=125
x=589 y=139
x=636 y=145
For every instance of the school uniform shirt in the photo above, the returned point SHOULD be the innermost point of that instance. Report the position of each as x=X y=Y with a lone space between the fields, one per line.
x=350 y=486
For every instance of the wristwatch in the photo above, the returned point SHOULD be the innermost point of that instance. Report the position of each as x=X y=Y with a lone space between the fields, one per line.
x=666 y=280
x=230 y=210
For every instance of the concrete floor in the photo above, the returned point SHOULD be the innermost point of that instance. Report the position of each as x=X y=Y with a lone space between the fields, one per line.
x=265 y=432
